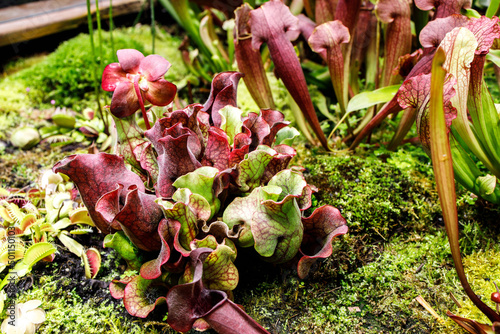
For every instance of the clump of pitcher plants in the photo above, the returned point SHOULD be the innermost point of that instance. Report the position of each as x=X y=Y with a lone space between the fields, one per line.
x=178 y=200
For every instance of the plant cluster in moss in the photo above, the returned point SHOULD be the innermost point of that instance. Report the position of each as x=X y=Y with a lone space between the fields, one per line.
x=66 y=77
x=376 y=193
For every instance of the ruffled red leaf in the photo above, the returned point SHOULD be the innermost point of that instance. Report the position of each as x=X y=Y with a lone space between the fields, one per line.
x=175 y=157
x=152 y=269
x=138 y=295
x=217 y=150
x=139 y=217
x=191 y=301
x=117 y=287
x=222 y=93
x=324 y=224
x=95 y=175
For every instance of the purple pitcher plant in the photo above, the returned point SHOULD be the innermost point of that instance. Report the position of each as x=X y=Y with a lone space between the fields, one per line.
x=182 y=197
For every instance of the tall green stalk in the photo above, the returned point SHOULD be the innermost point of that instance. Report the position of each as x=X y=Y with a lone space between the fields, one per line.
x=94 y=63
x=111 y=27
x=153 y=27
x=443 y=171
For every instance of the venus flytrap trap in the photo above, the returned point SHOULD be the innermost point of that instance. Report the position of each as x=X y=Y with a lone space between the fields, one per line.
x=205 y=181
x=31 y=222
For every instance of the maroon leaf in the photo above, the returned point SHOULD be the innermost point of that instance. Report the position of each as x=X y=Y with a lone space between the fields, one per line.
x=433 y=33
x=258 y=127
x=407 y=62
x=249 y=60
x=328 y=38
x=175 y=157
x=273 y=24
x=96 y=175
x=396 y=13
x=320 y=228
x=191 y=301
x=415 y=93
x=139 y=217
x=324 y=10
x=347 y=12
x=217 y=151
x=276 y=121
x=152 y=269
x=365 y=32
x=222 y=93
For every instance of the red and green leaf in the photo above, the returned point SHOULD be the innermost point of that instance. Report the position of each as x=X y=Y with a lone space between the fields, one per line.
x=324 y=224
x=96 y=175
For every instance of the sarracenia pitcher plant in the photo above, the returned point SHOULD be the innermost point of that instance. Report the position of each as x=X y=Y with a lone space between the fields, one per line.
x=178 y=200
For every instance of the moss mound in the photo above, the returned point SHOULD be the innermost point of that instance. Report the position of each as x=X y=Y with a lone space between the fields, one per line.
x=377 y=193
x=66 y=75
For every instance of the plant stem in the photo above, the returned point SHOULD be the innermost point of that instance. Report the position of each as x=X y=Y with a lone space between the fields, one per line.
x=141 y=101
x=153 y=28
x=111 y=26
x=94 y=64
x=443 y=170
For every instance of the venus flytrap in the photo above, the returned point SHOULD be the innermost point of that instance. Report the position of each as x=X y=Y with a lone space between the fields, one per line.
x=35 y=225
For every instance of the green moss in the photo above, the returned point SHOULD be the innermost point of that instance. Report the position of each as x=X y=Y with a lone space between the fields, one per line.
x=13 y=97
x=361 y=289
x=66 y=313
x=482 y=269
x=371 y=289
x=376 y=193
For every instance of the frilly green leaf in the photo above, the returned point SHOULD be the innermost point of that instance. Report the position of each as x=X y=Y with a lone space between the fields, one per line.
x=201 y=182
